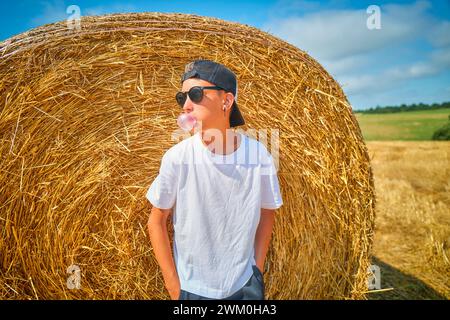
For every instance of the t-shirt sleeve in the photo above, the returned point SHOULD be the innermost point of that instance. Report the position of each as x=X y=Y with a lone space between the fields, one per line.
x=270 y=188
x=163 y=191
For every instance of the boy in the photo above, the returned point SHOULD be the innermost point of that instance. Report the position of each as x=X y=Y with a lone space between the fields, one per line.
x=223 y=189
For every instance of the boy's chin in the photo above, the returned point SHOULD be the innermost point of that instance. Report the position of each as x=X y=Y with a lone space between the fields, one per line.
x=197 y=127
x=200 y=125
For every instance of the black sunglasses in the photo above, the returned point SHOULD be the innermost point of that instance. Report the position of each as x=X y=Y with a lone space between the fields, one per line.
x=195 y=94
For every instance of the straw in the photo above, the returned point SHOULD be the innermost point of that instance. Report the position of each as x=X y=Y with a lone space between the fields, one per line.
x=86 y=115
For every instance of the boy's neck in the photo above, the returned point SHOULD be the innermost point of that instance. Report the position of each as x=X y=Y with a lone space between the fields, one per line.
x=230 y=140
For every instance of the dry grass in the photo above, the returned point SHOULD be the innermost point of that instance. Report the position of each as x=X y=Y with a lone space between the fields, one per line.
x=85 y=117
x=412 y=238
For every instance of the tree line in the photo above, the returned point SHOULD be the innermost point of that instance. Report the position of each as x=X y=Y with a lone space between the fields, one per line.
x=405 y=107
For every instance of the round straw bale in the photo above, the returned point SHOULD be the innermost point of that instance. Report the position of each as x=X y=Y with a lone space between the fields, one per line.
x=85 y=117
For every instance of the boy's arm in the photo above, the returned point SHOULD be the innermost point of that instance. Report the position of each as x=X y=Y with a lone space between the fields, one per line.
x=159 y=237
x=263 y=236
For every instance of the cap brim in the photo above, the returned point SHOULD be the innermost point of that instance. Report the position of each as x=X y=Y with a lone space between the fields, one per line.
x=236 y=118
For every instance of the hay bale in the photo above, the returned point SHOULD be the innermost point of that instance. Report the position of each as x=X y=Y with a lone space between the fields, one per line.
x=86 y=117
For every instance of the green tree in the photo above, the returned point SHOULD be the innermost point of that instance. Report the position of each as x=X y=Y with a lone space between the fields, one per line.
x=443 y=133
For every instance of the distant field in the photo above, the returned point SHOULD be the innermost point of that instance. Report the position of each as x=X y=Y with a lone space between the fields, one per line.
x=410 y=125
x=412 y=223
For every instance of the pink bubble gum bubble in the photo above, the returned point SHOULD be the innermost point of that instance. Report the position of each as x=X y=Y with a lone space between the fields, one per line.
x=186 y=122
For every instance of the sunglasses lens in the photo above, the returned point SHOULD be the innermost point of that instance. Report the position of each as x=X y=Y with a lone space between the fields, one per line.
x=196 y=94
x=181 y=98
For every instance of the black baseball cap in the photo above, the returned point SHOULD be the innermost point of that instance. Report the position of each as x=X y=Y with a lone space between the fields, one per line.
x=219 y=75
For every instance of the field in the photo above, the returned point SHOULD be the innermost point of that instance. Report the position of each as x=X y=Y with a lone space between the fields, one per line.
x=411 y=125
x=412 y=236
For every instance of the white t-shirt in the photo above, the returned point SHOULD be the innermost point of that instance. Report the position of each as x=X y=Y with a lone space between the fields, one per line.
x=217 y=201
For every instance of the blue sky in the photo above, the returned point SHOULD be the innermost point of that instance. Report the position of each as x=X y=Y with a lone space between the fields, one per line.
x=407 y=60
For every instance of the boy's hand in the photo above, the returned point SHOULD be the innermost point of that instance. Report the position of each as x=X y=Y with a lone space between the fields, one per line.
x=260 y=268
x=174 y=289
x=174 y=295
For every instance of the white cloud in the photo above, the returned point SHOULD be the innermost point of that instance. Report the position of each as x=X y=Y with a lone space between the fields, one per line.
x=339 y=66
x=437 y=62
x=53 y=11
x=367 y=61
x=339 y=33
x=440 y=34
